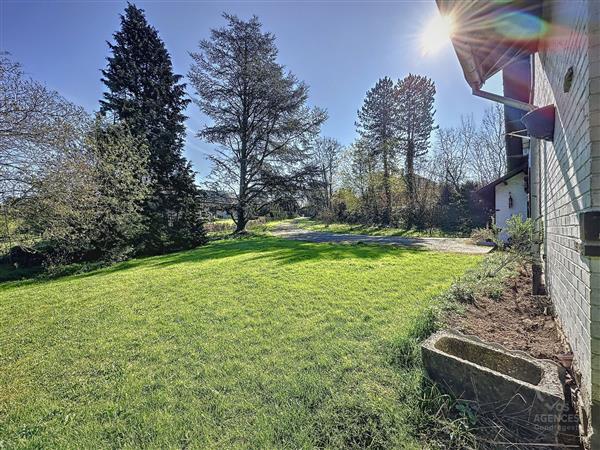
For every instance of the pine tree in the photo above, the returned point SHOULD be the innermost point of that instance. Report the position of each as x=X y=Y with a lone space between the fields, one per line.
x=145 y=94
x=415 y=122
x=377 y=126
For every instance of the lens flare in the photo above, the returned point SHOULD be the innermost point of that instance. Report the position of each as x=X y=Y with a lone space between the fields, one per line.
x=437 y=34
x=520 y=26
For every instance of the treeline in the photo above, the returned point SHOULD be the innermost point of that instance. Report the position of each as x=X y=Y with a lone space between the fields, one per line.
x=80 y=187
x=404 y=172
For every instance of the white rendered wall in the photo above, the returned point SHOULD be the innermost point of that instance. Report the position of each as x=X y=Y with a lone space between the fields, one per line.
x=513 y=187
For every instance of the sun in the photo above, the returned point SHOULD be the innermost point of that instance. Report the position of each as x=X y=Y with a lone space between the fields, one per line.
x=436 y=34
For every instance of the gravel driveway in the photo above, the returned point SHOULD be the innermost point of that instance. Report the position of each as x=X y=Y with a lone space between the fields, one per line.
x=455 y=245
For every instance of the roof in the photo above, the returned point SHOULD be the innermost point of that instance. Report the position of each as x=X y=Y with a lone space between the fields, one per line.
x=488 y=36
x=485 y=190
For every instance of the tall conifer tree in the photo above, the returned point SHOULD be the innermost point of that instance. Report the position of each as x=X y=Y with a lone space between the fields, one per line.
x=145 y=94
x=377 y=125
x=416 y=95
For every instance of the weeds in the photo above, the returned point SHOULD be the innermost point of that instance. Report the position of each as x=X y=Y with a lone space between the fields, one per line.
x=486 y=280
x=440 y=420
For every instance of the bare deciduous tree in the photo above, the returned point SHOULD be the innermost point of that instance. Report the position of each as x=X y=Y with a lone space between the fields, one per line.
x=326 y=154
x=34 y=121
x=488 y=153
x=361 y=173
x=453 y=153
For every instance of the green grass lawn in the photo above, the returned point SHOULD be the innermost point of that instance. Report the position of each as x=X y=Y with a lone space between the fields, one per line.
x=261 y=343
x=223 y=228
x=345 y=228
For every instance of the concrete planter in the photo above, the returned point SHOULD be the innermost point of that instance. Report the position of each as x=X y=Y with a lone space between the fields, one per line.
x=524 y=393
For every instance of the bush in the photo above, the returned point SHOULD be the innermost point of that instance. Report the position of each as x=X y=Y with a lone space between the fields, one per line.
x=327 y=216
x=487 y=234
x=461 y=292
x=88 y=204
x=521 y=235
x=25 y=257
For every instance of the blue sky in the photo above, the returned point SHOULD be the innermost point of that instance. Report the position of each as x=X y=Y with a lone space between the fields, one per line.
x=340 y=48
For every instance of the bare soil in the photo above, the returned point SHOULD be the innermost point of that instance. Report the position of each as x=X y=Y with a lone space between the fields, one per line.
x=518 y=321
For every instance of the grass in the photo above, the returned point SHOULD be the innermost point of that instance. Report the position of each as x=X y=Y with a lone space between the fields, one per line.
x=345 y=228
x=259 y=342
x=223 y=228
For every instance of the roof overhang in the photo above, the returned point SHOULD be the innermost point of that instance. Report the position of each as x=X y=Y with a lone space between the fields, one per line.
x=490 y=188
x=490 y=35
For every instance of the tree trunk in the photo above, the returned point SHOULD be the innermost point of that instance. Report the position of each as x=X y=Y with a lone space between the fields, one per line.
x=410 y=183
x=372 y=203
x=326 y=187
x=7 y=227
x=241 y=218
x=330 y=186
x=387 y=214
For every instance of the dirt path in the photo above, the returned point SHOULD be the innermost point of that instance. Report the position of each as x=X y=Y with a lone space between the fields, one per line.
x=455 y=245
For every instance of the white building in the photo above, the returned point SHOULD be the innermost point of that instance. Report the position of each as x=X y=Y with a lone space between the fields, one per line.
x=508 y=196
x=549 y=54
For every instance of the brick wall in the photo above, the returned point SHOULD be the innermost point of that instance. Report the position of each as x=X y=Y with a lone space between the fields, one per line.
x=594 y=120
x=566 y=186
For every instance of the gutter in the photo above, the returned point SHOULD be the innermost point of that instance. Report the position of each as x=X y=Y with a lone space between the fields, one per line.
x=539 y=122
x=504 y=100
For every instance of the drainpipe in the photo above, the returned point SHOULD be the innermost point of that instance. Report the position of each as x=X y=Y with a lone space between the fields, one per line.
x=534 y=180
x=537 y=269
x=504 y=100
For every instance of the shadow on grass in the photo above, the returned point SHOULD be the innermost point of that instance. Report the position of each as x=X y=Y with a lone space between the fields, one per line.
x=280 y=251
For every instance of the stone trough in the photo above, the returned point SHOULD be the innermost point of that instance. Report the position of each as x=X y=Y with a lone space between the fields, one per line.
x=523 y=393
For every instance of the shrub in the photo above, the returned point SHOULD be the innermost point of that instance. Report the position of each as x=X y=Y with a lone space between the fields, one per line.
x=494 y=290
x=327 y=216
x=521 y=235
x=21 y=256
x=88 y=204
x=462 y=292
x=487 y=234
